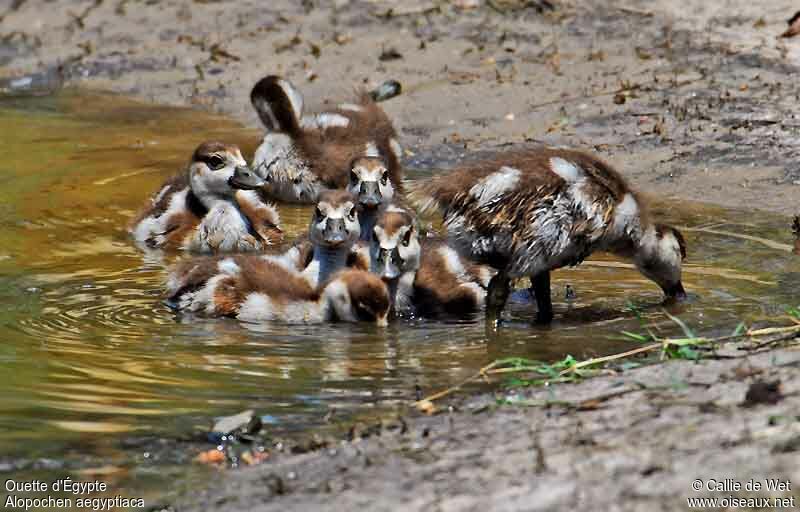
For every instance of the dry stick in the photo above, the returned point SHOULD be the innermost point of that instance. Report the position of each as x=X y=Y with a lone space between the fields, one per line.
x=765 y=241
x=440 y=394
x=787 y=333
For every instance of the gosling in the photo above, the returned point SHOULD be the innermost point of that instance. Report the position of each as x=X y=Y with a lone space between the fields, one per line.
x=206 y=209
x=254 y=289
x=301 y=156
x=528 y=212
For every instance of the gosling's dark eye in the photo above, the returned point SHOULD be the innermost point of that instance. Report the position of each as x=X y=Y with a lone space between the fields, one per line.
x=354 y=177
x=297 y=180
x=216 y=162
x=407 y=237
x=385 y=178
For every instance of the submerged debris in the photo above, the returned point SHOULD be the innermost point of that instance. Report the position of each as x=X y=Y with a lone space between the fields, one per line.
x=763 y=392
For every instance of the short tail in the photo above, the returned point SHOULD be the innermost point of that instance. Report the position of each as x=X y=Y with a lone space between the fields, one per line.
x=278 y=103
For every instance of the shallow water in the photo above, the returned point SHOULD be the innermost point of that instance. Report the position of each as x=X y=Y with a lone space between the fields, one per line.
x=94 y=368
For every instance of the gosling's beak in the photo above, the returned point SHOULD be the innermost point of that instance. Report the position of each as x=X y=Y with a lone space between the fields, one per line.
x=334 y=232
x=369 y=195
x=676 y=292
x=246 y=179
x=382 y=321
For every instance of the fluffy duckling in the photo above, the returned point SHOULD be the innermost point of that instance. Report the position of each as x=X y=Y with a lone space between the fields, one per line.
x=426 y=278
x=332 y=233
x=254 y=289
x=394 y=255
x=528 y=212
x=302 y=155
x=371 y=184
x=207 y=210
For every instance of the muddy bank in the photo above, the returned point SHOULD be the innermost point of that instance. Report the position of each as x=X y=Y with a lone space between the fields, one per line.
x=634 y=440
x=692 y=99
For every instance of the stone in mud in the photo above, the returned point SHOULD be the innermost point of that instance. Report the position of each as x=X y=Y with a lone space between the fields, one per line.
x=245 y=422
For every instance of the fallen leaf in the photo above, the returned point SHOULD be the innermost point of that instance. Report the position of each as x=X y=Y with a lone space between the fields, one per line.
x=253 y=458
x=426 y=407
x=213 y=456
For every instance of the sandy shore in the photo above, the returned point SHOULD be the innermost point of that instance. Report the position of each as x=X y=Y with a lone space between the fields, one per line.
x=692 y=100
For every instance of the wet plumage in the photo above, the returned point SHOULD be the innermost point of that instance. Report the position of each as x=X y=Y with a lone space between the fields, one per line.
x=256 y=289
x=301 y=155
x=528 y=212
x=200 y=210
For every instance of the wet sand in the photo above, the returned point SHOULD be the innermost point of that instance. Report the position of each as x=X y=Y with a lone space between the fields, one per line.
x=692 y=100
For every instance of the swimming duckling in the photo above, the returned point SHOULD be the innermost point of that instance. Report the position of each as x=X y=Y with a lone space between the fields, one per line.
x=426 y=278
x=332 y=232
x=303 y=155
x=528 y=212
x=207 y=210
x=253 y=289
x=370 y=183
x=394 y=255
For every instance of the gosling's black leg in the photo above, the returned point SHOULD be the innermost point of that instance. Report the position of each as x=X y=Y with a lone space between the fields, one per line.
x=541 y=288
x=496 y=296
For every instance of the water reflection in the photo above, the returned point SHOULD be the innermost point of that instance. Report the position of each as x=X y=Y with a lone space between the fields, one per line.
x=91 y=357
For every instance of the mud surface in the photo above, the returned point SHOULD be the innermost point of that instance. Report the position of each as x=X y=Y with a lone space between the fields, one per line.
x=624 y=442
x=692 y=99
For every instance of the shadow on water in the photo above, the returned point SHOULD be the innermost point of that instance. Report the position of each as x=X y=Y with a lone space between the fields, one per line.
x=91 y=361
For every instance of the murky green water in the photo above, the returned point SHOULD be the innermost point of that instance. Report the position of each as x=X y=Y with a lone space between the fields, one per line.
x=94 y=370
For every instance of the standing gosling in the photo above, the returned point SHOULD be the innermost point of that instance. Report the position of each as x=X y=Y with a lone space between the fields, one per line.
x=528 y=212
x=205 y=210
x=254 y=289
x=426 y=278
x=302 y=155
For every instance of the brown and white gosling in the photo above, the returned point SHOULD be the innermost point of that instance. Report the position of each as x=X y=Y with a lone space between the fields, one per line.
x=332 y=234
x=302 y=155
x=371 y=184
x=528 y=212
x=425 y=278
x=205 y=209
x=254 y=289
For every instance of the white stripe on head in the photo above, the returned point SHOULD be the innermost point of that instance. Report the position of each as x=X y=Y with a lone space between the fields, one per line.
x=371 y=150
x=491 y=187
